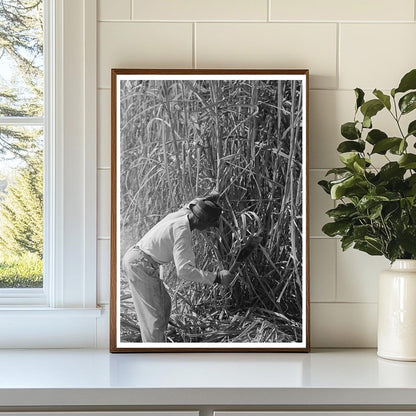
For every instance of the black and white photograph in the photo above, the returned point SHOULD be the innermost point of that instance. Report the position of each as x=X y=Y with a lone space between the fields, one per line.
x=209 y=224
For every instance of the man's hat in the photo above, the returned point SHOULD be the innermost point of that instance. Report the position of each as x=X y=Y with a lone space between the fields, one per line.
x=206 y=210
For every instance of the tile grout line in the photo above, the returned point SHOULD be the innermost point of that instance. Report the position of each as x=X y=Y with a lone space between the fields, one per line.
x=308 y=22
x=269 y=11
x=338 y=65
x=336 y=271
x=194 y=45
x=131 y=9
x=355 y=302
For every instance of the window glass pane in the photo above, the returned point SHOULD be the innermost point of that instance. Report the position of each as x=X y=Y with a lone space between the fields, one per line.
x=21 y=207
x=21 y=58
x=21 y=146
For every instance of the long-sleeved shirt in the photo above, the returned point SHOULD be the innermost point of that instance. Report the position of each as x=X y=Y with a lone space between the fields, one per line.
x=171 y=239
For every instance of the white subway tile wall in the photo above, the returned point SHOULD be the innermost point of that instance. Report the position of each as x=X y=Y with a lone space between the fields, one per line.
x=104 y=128
x=355 y=10
x=114 y=10
x=345 y=44
x=328 y=109
x=200 y=10
x=339 y=325
x=322 y=269
x=375 y=55
x=104 y=202
x=270 y=45
x=145 y=45
x=103 y=270
x=357 y=275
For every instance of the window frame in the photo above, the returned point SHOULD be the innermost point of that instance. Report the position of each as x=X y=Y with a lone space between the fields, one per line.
x=70 y=207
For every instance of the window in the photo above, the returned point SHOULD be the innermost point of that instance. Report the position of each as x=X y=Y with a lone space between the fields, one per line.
x=63 y=312
x=22 y=128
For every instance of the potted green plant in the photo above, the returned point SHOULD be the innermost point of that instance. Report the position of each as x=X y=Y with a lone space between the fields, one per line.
x=376 y=209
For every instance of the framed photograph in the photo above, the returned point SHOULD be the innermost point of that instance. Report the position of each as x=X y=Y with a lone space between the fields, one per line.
x=209 y=214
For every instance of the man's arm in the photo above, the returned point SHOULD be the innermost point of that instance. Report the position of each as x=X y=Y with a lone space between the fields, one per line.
x=184 y=257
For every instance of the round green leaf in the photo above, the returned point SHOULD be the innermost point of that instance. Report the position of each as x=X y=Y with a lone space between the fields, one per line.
x=411 y=181
x=346 y=242
x=375 y=211
x=349 y=131
x=375 y=136
x=411 y=130
x=359 y=94
x=349 y=158
x=359 y=165
x=325 y=186
x=402 y=147
x=393 y=250
x=369 y=247
x=391 y=170
x=408 y=102
x=407 y=240
x=408 y=161
x=368 y=201
x=362 y=231
x=342 y=211
x=371 y=108
x=339 y=189
x=408 y=82
x=383 y=145
x=349 y=146
x=367 y=122
x=338 y=171
x=336 y=228
x=385 y=99
x=398 y=149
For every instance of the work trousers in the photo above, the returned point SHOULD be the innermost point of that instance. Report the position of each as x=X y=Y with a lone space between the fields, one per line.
x=150 y=297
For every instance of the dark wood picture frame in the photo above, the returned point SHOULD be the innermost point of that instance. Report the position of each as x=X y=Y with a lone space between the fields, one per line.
x=284 y=100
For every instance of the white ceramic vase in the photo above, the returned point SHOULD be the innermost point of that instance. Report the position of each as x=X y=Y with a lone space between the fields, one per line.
x=397 y=312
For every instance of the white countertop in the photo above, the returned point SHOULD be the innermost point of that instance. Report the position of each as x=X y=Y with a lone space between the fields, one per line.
x=96 y=377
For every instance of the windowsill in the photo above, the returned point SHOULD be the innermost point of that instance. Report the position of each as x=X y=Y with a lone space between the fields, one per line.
x=41 y=327
x=24 y=297
x=37 y=311
x=59 y=378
